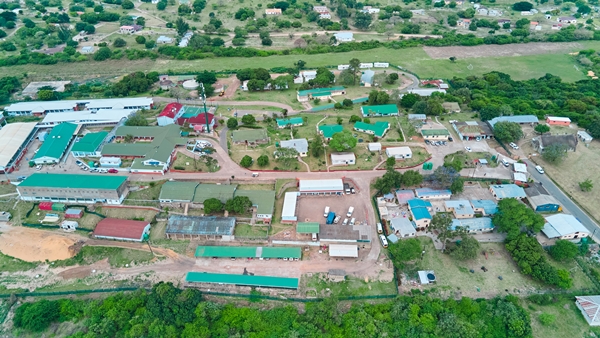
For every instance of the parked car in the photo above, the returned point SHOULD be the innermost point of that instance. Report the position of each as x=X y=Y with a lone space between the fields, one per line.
x=514 y=146
x=337 y=219
x=539 y=169
x=345 y=222
x=352 y=221
x=21 y=178
x=450 y=139
x=113 y=171
x=468 y=149
x=38 y=167
x=505 y=163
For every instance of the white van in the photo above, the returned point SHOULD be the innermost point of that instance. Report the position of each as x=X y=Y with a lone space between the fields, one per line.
x=505 y=163
x=379 y=228
x=350 y=211
x=326 y=212
x=383 y=240
x=352 y=221
x=314 y=237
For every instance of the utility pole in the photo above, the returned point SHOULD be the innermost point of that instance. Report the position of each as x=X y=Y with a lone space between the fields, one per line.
x=203 y=97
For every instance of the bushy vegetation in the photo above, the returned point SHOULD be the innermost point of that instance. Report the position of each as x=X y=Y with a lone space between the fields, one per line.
x=170 y=312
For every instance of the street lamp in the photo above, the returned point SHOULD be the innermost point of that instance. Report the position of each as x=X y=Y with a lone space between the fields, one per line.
x=203 y=97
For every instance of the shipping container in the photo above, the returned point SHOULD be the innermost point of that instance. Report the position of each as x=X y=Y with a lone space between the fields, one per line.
x=46 y=205
x=58 y=207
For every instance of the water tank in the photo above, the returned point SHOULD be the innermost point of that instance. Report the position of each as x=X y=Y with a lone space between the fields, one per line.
x=190 y=85
x=431 y=277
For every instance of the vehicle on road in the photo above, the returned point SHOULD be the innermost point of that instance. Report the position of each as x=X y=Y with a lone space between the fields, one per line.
x=113 y=171
x=468 y=149
x=254 y=174
x=350 y=211
x=505 y=163
x=514 y=146
x=383 y=240
x=539 y=169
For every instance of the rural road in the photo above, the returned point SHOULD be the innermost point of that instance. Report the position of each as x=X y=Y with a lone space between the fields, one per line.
x=566 y=202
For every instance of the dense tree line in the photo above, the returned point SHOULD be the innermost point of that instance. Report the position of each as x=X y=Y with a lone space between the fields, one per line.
x=133 y=84
x=496 y=94
x=170 y=312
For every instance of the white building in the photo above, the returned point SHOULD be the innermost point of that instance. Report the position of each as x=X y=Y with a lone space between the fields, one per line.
x=288 y=213
x=370 y=10
x=344 y=36
x=14 y=140
x=374 y=147
x=39 y=108
x=403 y=227
x=343 y=159
x=563 y=226
x=343 y=250
x=399 y=153
x=303 y=76
x=321 y=187
x=88 y=117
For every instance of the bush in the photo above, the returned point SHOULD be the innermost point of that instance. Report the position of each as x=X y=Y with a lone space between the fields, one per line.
x=37 y=316
x=119 y=43
x=140 y=39
x=246 y=161
x=546 y=319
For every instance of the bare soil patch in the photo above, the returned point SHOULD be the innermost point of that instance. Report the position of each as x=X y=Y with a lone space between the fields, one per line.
x=500 y=50
x=33 y=245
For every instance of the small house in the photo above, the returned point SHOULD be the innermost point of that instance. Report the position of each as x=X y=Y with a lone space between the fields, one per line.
x=563 y=226
x=584 y=136
x=344 y=36
x=380 y=110
x=569 y=141
x=567 y=19
x=430 y=194
x=399 y=153
x=336 y=275
x=451 y=107
x=374 y=147
x=502 y=191
x=558 y=121
x=305 y=76
x=460 y=208
x=420 y=212
x=122 y=229
x=419 y=117
x=377 y=129
x=435 y=134
x=366 y=79
x=273 y=11
x=473 y=130
x=404 y=195
x=590 y=308
x=473 y=225
x=484 y=207
x=87 y=50
x=482 y=10
x=291 y=122
x=403 y=227
x=328 y=130
x=300 y=145
x=343 y=159
x=540 y=200
x=164 y=39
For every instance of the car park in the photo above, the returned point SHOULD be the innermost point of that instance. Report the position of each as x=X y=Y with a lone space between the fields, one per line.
x=539 y=169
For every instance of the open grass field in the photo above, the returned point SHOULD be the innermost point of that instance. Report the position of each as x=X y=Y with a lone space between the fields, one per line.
x=7 y=189
x=414 y=59
x=146 y=196
x=250 y=231
x=467 y=158
x=129 y=213
x=568 y=320
x=318 y=286
x=11 y=264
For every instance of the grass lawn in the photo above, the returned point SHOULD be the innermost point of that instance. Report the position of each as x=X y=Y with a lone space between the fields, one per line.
x=17 y=208
x=351 y=287
x=282 y=96
x=280 y=183
x=8 y=189
x=11 y=264
x=146 y=196
x=117 y=257
x=255 y=187
x=130 y=213
x=237 y=152
x=189 y=164
x=419 y=155
x=466 y=158
x=568 y=319
x=249 y=231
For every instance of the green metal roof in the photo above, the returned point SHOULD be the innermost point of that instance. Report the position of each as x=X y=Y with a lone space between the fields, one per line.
x=292 y=121
x=90 y=142
x=108 y=182
x=164 y=140
x=317 y=91
x=321 y=94
x=307 y=228
x=246 y=280
x=221 y=192
x=281 y=252
x=433 y=132
x=179 y=191
x=250 y=135
x=263 y=200
x=142 y=131
x=386 y=109
x=57 y=141
x=329 y=129
x=226 y=251
x=378 y=128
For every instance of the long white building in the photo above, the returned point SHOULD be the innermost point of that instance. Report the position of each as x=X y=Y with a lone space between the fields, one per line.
x=45 y=107
x=87 y=117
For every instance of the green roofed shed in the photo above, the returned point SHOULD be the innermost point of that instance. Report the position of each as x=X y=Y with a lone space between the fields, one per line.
x=329 y=129
x=307 y=228
x=88 y=144
x=294 y=121
x=173 y=191
x=244 y=280
x=281 y=252
x=222 y=192
x=56 y=144
x=378 y=129
x=107 y=182
x=226 y=251
x=382 y=110
x=435 y=132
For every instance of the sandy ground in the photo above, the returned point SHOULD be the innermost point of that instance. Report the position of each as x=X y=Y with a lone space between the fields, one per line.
x=462 y=52
x=33 y=245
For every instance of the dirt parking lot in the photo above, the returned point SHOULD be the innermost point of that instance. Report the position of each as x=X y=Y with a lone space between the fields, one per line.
x=311 y=208
x=501 y=50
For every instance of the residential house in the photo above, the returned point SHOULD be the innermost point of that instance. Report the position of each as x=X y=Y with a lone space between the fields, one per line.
x=169 y=114
x=399 y=153
x=590 y=308
x=558 y=121
x=320 y=93
x=460 y=208
x=420 y=117
x=503 y=21
x=569 y=141
x=473 y=225
x=370 y=10
x=430 y=194
x=473 y=130
x=463 y=23
x=403 y=227
x=482 y=10
x=556 y=26
x=291 y=122
x=418 y=11
x=250 y=136
x=304 y=76
x=377 y=129
x=87 y=50
x=540 y=200
x=344 y=36
x=273 y=11
x=130 y=29
x=343 y=159
x=526 y=13
x=567 y=19
x=404 y=196
x=484 y=207
x=164 y=39
x=426 y=91
x=534 y=25
x=326 y=15
x=122 y=229
x=435 y=134
x=382 y=110
x=420 y=211
x=563 y=226
x=366 y=79
x=502 y=191
x=301 y=146
x=374 y=147
x=520 y=119
x=321 y=9
x=494 y=12
x=584 y=136
x=327 y=130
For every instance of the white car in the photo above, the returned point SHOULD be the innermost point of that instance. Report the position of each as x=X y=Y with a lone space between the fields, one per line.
x=38 y=167
x=468 y=149
x=539 y=169
x=514 y=146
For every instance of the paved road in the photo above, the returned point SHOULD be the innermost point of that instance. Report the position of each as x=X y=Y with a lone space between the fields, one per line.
x=569 y=206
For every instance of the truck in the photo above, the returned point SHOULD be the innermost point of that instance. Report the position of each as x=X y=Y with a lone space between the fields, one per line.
x=350 y=211
x=330 y=218
x=326 y=212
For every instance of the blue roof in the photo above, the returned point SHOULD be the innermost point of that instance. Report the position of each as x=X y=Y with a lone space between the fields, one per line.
x=461 y=207
x=472 y=223
x=367 y=76
x=431 y=192
x=489 y=207
x=515 y=118
x=508 y=191
x=419 y=208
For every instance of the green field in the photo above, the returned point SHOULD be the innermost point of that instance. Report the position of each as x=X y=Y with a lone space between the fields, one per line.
x=413 y=59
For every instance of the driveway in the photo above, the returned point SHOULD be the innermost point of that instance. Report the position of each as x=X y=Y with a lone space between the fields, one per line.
x=569 y=207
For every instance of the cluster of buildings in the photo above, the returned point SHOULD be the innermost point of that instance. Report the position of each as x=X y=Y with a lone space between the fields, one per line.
x=194 y=117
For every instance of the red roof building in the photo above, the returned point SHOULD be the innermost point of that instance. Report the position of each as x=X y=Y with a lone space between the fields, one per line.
x=167 y=115
x=122 y=229
x=197 y=122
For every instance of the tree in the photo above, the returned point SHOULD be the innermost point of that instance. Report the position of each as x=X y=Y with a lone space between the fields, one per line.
x=161 y=5
x=181 y=26
x=46 y=95
x=316 y=146
x=232 y=123
x=212 y=205
x=508 y=131
x=198 y=5
x=355 y=118
x=468 y=248
x=412 y=178
x=266 y=42
x=129 y=138
x=246 y=161
x=457 y=186
x=440 y=225
x=127 y=4
x=444 y=176
x=563 y=250
x=586 y=185
x=339 y=120
x=522 y=6
x=392 y=78
x=207 y=77
x=362 y=20
x=150 y=44
x=248 y=119
x=541 y=129
x=28 y=23
x=409 y=100
x=392 y=179
x=119 y=43
x=238 y=204
x=90 y=29
x=452 y=59
x=102 y=54
x=390 y=163
x=37 y=316
x=555 y=153
x=140 y=39
x=347 y=103
x=300 y=64
x=514 y=216
x=404 y=250
x=354 y=67
x=522 y=23
x=262 y=161
x=378 y=97
x=342 y=141
x=98 y=9
x=136 y=120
